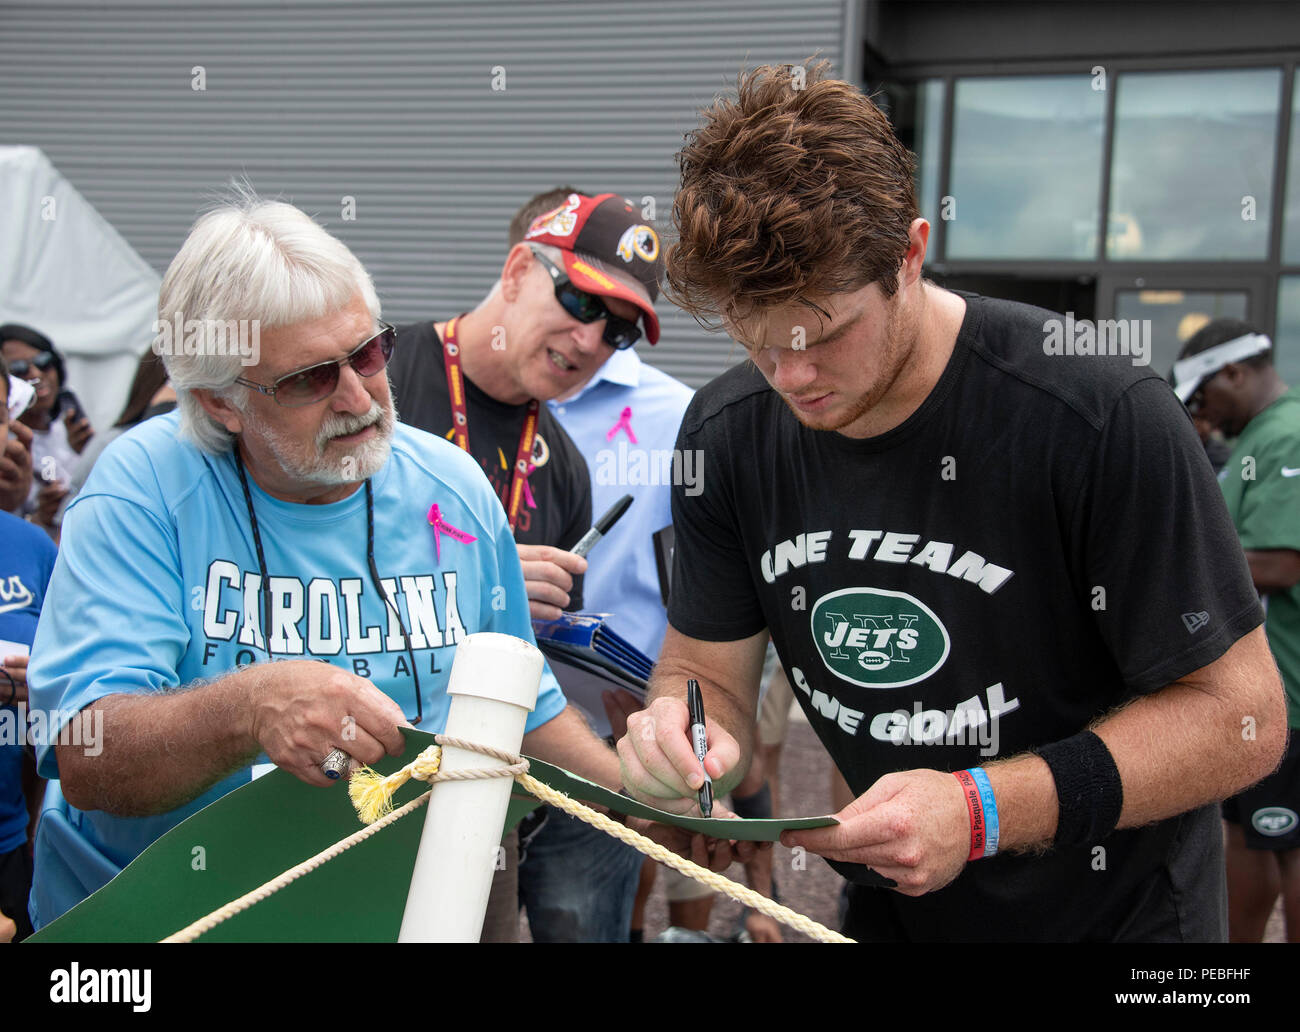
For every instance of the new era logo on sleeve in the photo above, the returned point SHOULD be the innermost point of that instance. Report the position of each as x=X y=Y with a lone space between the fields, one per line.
x=1195 y=621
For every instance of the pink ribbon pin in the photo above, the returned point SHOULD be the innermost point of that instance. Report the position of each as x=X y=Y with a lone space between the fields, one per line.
x=528 y=491
x=440 y=527
x=624 y=423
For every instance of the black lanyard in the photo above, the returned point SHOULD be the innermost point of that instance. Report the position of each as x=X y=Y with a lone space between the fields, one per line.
x=370 y=560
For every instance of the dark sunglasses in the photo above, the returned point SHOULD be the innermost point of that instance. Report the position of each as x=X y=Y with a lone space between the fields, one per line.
x=589 y=308
x=20 y=367
x=320 y=381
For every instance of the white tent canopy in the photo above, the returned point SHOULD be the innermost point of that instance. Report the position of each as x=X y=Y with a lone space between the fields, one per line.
x=68 y=273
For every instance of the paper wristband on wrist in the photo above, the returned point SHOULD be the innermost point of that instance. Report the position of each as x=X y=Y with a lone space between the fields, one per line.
x=975 y=807
x=1088 y=789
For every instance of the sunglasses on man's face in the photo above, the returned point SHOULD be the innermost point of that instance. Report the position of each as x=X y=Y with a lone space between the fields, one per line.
x=27 y=368
x=619 y=334
x=320 y=381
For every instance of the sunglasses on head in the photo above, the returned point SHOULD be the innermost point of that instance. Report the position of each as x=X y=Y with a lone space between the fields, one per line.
x=619 y=334
x=320 y=381
x=21 y=367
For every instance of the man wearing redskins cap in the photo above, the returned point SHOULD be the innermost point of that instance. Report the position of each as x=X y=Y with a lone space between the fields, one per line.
x=580 y=285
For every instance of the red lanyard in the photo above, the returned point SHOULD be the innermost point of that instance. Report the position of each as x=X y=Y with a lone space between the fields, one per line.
x=460 y=422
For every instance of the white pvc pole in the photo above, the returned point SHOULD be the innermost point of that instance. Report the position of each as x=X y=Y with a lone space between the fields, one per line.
x=493 y=688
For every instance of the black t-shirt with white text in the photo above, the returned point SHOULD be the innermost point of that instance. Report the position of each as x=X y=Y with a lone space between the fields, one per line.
x=1040 y=542
x=559 y=486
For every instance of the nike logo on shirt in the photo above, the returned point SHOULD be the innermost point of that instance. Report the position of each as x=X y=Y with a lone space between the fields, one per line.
x=1290 y=472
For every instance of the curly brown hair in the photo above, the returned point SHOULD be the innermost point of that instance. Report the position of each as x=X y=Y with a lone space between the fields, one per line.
x=795 y=188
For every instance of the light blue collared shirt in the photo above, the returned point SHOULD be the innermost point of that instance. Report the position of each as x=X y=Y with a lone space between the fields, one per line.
x=622 y=578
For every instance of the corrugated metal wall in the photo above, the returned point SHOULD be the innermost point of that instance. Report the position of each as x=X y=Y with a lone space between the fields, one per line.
x=392 y=104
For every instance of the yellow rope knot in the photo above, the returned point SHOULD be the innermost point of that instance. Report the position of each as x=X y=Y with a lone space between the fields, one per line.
x=372 y=793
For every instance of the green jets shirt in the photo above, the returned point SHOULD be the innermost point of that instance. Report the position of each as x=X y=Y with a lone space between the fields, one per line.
x=1040 y=542
x=1261 y=483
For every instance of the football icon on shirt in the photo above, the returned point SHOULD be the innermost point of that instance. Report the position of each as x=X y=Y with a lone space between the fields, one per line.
x=878 y=638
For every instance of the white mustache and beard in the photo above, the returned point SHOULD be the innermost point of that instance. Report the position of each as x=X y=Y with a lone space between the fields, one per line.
x=329 y=463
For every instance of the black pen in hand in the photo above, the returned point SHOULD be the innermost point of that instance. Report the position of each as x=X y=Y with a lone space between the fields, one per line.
x=695 y=704
x=602 y=526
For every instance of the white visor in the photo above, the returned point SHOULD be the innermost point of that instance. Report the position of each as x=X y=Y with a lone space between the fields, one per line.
x=1191 y=372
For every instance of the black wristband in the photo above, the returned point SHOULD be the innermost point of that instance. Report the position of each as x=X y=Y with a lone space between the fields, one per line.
x=1088 y=789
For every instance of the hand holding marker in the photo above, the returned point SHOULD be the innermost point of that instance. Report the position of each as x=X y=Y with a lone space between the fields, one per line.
x=695 y=704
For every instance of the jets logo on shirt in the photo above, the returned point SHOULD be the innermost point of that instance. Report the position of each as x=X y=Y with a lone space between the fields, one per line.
x=1274 y=820
x=878 y=638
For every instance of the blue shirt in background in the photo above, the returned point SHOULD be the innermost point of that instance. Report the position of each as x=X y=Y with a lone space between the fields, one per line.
x=157 y=584
x=622 y=577
x=26 y=560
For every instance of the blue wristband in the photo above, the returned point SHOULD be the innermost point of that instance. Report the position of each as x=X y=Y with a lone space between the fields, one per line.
x=990 y=810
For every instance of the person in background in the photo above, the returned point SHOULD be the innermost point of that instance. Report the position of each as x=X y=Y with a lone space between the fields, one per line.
x=26 y=561
x=1226 y=377
x=149 y=395
x=571 y=293
x=60 y=429
x=16 y=447
x=625 y=415
x=1217 y=449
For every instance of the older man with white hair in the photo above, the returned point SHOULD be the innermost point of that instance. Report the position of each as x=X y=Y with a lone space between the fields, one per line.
x=281 y=514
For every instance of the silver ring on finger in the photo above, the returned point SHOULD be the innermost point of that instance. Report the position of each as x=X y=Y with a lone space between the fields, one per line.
x=336 y=764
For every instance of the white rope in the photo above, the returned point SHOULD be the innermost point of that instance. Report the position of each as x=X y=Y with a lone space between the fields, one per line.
x=426 y=768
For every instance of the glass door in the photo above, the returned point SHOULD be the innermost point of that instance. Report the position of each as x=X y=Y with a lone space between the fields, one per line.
x=1166 y=309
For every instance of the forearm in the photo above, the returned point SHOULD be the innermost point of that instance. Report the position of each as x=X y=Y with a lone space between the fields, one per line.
x=1273 y=570
x=148 y=754
x=567 y=741
x=1175 y=750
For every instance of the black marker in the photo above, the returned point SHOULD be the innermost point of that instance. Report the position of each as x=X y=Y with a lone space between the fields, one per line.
x=695 y=704
x=602 y=526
